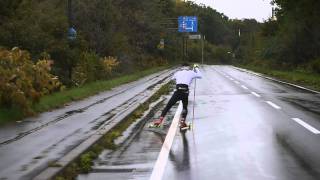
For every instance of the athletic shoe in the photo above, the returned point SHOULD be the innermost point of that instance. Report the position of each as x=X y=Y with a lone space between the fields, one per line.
x=158 y=122
x=183 y=125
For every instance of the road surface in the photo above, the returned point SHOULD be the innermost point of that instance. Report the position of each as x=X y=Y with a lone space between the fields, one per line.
x=28 y=147
x=245 y=128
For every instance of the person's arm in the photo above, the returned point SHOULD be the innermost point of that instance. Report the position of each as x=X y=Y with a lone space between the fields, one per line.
x=197 y=72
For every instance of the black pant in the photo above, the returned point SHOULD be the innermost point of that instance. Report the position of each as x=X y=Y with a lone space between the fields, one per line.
x=181 y=94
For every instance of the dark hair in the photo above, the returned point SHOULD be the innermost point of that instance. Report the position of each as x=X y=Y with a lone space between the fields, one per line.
x=185 y=64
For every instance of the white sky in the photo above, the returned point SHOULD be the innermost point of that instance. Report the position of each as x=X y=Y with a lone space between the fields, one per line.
x=239 y=9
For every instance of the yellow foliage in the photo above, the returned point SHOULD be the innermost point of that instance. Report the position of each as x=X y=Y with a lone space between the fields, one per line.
x=79 y=75
x=21 y=81
x=91 y=67
x=109 y=63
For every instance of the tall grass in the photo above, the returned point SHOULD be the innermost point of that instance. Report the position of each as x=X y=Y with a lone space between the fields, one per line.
x=306 y=79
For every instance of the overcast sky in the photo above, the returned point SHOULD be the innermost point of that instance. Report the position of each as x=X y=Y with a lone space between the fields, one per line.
x=239 y=9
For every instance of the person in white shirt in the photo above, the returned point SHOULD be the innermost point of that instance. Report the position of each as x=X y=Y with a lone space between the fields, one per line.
x=183 y=80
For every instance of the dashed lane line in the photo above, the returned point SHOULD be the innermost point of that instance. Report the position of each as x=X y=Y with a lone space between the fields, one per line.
x=273 y=105
x=244 y=87
x=256 y=94
x=276 y=80
x=297 y=120
x=306 y=125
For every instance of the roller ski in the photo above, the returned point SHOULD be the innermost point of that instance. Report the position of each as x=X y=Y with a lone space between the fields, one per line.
x=184 y=126
x=157 y=123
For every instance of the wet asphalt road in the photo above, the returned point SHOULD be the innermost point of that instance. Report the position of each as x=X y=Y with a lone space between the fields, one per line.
x=245 y=128
x=28 y=147
x=135 y=158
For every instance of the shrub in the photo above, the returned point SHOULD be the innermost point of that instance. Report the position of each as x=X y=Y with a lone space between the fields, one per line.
x=315 y=65
x=90 y=68
x=223 y=55
x=145 y=62
x=109 y=64
x=23 y=82
x=86 y=69
x=86 y=161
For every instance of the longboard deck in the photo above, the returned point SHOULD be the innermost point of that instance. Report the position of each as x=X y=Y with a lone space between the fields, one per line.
x=188 y=127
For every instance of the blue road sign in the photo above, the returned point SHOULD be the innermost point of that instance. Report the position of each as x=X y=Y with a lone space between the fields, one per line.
x=188 y=24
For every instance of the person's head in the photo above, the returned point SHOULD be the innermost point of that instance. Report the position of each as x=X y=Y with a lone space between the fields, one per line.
x=185 y=66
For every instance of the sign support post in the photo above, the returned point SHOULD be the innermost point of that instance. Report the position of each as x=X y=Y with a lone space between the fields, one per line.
x=187 y=24
x=202 y=48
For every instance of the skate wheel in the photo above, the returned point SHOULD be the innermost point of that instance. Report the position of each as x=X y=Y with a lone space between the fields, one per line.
x=151 y=125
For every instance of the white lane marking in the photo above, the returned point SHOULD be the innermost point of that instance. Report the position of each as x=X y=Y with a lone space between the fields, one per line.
x=159 y=167
x=254 y=93
x=231 y=79
x=273 y=105
x=237 y=82
x=273 y=79
x=244 y=87
x=306 y=125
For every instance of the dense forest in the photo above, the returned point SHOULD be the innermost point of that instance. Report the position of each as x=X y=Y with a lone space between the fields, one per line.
x=289 y=41
x=115 y=37
x=129 y=31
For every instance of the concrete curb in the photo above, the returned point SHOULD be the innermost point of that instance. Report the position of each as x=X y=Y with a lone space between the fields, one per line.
x=51 y=172
x=276 y=80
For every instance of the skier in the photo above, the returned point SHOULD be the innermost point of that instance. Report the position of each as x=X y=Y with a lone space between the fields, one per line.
x=183 y=80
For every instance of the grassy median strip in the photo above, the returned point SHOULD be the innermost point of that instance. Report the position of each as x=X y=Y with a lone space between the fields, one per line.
x=59 y=99
x=84 y=163
x=309 y=80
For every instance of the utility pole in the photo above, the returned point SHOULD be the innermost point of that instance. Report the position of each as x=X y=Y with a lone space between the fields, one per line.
x=187 y=24
x=202 y=48
x=72 y=33
x=183 y=48
x=70 y=18
x=186 y=53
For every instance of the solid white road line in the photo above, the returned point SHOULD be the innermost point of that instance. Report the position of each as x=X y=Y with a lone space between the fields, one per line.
x=306 y=125
x=273 y=79
x=273 y=105
x=244 y=87
x=159 y=167
x=237 y=82
x=254 y=93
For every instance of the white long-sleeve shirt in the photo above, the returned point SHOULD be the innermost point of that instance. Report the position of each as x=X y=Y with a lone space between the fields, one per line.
x=186 y=76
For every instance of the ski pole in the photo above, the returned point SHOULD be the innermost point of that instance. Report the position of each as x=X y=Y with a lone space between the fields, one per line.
x=194 y=101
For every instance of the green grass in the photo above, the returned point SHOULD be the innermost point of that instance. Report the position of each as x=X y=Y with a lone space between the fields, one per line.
x=7 y=115
x=306 y=79
x=59 y=99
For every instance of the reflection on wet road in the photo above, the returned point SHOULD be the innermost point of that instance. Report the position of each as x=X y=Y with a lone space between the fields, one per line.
x=245 y=127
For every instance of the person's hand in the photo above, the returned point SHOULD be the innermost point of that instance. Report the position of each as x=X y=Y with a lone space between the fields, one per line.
x=195 y=66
